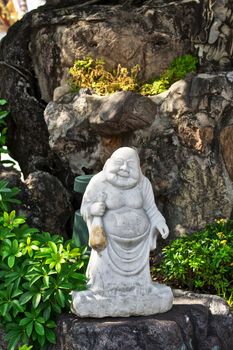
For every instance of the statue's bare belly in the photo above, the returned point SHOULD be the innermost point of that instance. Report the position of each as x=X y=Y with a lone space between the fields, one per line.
x=126 y=222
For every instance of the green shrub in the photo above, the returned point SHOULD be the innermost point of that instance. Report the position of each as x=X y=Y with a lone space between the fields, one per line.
x=90 y=73
x=37 y=273
x=177 y=70
x=203 y=261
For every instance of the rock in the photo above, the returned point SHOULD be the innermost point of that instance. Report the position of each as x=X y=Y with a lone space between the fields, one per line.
x=202 y=322
x=178 y=134
x=45 y=202
x=49 y=202
x=38 y=50
x=3 y=344
x=78 y=122
x=226 y=140
x=27 y=132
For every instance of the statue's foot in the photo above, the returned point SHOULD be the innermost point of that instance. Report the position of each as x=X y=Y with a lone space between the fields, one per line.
x=123 y=302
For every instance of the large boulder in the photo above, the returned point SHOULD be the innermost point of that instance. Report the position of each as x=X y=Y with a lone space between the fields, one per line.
x=38 y=50
x=202 y=322
x=183 y=138
x=45 y=202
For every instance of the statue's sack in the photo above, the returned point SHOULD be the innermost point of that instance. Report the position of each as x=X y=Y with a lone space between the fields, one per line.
x=97 y=238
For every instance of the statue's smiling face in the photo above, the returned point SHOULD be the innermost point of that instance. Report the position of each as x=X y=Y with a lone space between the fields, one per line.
x=122 y=169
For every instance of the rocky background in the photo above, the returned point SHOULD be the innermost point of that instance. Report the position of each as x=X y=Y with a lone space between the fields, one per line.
x=184 y=136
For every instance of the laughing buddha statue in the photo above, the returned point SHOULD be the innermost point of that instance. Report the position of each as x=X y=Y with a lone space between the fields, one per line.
x=123 y=223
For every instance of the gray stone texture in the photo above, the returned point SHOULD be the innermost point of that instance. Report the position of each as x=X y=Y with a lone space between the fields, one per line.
x=45 y=202
x=184 y=137
x=196 y=322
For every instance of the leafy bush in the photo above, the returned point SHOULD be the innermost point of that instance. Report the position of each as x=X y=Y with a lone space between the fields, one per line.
x=90 y=73
x=203 y=261
x=177 y=70
x=37 y=273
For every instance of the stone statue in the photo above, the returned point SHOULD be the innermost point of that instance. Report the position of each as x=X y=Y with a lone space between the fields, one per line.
x=123 y=223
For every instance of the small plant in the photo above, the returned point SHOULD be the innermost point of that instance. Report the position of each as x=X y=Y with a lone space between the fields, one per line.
x=203 y=261
x=90 y=73
x=177 y=70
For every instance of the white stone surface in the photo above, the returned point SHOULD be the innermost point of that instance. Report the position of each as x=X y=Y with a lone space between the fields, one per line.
x=123 y=222
x=134 y=301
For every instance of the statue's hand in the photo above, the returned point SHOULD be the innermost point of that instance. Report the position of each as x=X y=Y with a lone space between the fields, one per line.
x=163 y=229
x=98 y=209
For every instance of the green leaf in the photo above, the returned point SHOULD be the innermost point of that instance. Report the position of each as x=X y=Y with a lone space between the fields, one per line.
x=60 y=297
x=11 y=261
x=47 y=294
x=16 y=293
x=58 y=267
x=50 y=324
x=34 y=279
x=56 y=308
x=53 y=247
x=17 y=306
x=25 y=298
x=39 y=328
x=3 y=309
x=25 y=321
x=3 y=102
x=47 y=313
x=36 y=300
x=29 y=328
x=50 y=335
x=46 y=280
x=41 y=340
x=25 y=347
x=79 y=276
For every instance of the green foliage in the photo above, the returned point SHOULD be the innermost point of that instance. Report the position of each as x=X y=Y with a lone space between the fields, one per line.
x=3 y=132
x=202 y=261
x=3 y=129
x=37 y=273
x=7 y=196
x=177 y=70
x=90 y=73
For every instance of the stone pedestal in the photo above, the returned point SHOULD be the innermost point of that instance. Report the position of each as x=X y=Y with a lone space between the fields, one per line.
x=196 y=322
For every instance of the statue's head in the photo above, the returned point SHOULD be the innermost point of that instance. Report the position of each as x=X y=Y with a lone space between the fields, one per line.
x=123 y=168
